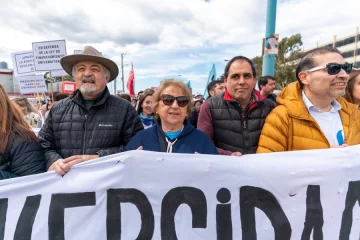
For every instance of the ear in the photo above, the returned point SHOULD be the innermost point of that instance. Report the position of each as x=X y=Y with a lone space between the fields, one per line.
x=304 y=77
x=211 y=93
x=107 y=79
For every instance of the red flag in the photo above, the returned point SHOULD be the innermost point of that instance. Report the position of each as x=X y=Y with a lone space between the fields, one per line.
x=130 y=82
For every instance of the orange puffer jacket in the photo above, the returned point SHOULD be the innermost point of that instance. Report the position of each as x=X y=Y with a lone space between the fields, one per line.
x=290 y=126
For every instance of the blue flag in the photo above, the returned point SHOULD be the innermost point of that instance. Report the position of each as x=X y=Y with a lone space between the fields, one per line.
x=188 y=84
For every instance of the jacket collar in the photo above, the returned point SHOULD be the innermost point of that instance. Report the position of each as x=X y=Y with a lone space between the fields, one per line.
x=291 y=98
x=101 y=98
x=258 y=97
x=188 y=128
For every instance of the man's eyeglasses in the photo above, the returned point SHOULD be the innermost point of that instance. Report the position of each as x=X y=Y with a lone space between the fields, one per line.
x=333 y=68
x=168 y=100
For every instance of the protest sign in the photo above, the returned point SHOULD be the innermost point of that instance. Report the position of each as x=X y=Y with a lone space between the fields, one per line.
x=271 y=44
x=68 y=87
x=59 y=73
x=23 y=63
x=149 y=195
x=47 y=55
x=31 y=84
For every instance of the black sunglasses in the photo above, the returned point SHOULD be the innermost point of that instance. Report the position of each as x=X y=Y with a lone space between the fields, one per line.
x=334 y=68
x=168 y=100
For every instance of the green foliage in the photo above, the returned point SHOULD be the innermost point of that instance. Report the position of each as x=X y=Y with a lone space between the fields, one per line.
x=286 y=62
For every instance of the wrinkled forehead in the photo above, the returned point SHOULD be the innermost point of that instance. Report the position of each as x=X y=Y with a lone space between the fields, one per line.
x=88 y=64
x=323 y=59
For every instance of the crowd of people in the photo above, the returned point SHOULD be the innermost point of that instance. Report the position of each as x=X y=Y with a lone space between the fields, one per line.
x=320 y=110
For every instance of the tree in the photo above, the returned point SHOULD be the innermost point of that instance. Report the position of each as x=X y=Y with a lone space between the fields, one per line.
x=286 y=60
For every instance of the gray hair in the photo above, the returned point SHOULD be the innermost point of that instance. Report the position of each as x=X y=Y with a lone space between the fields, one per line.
x=106 y=71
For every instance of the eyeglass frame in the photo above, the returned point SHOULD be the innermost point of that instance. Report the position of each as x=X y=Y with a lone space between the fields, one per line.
x=175 y=99
x=327 y=66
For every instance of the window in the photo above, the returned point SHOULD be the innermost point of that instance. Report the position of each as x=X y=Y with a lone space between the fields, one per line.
x=348 y=54
x=358 y=51
x=356 y=65
x=359 y=37
x=345 y=42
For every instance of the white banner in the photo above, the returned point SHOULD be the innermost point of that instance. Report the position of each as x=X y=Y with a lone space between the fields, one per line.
x=149 y=195
x=32 y=84
x=23 y=63
x=47 y=55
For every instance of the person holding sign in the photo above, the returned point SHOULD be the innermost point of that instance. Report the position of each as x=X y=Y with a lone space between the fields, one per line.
x=20 y=151
x=172 y=132
x=312 y=114
x=90 y=123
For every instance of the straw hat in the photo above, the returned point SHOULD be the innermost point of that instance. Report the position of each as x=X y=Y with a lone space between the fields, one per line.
x=89 y=54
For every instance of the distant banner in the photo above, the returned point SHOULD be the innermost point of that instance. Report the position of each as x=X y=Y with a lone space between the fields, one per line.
x=23 y=63
x=149 y=195
x=272 y=44
x=47 y=55
x=32 y=84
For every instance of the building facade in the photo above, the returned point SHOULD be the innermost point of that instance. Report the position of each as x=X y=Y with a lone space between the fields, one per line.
x=348 y=45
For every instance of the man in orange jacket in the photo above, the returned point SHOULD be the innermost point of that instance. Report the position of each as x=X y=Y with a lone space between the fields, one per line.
x=311 y=113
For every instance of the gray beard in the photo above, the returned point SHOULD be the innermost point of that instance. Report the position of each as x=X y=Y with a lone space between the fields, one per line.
x=87 y=90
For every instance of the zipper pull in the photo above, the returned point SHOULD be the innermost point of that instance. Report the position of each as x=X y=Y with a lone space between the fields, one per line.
x=244 y=125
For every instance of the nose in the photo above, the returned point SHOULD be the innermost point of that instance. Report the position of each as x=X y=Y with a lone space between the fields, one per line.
x=88 y=72
x=241 y=79
x=342 y=74
x=175 y=104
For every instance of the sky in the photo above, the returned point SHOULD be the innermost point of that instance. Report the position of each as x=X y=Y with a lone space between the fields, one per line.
x=169 y=38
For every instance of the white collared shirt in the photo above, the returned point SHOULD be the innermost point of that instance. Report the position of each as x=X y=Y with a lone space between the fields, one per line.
x=330 y=122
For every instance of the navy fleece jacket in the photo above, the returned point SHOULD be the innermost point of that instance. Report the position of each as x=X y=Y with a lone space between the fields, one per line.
x=190 y=140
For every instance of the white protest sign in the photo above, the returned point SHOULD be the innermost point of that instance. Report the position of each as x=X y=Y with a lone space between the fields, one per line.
x=27 y=84
x=149 y=195
x=23 y=63
x=59 y=73
x=47 y=55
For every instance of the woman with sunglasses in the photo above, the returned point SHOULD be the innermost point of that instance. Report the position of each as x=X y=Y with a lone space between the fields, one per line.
x=20 y=152
x=172 y=132
x=353 y=88
x=145 y=109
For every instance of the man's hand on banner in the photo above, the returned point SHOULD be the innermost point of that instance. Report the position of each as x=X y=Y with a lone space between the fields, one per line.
x=341 y=146
x=238 y=154
x=140 y=148
x=58 y=166
x=71 y=161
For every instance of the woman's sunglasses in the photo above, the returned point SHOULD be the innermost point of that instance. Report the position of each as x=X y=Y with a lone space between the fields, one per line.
x=333 y=68
x=168 y=100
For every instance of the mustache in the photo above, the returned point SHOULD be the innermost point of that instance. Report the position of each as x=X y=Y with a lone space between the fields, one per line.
x=339 y=79
x=87 y=79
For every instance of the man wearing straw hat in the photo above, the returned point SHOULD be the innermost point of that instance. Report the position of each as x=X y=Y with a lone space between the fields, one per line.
x=90 y=123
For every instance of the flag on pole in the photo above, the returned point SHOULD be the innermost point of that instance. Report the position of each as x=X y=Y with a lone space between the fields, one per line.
x=188 y=84
x=211 y=77
x=130 y=82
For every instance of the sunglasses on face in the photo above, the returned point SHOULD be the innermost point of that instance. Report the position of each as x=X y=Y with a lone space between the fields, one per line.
x=333 y=68
x=168 y=100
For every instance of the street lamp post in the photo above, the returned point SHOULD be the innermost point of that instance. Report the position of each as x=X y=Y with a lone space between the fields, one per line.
x=122 y=70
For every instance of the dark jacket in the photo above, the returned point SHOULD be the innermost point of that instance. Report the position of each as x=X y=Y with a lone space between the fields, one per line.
x=193 y=117
x=104 y=129
x=21 y=158
x=230 y=127
x=190 y=140
x=272 y=97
